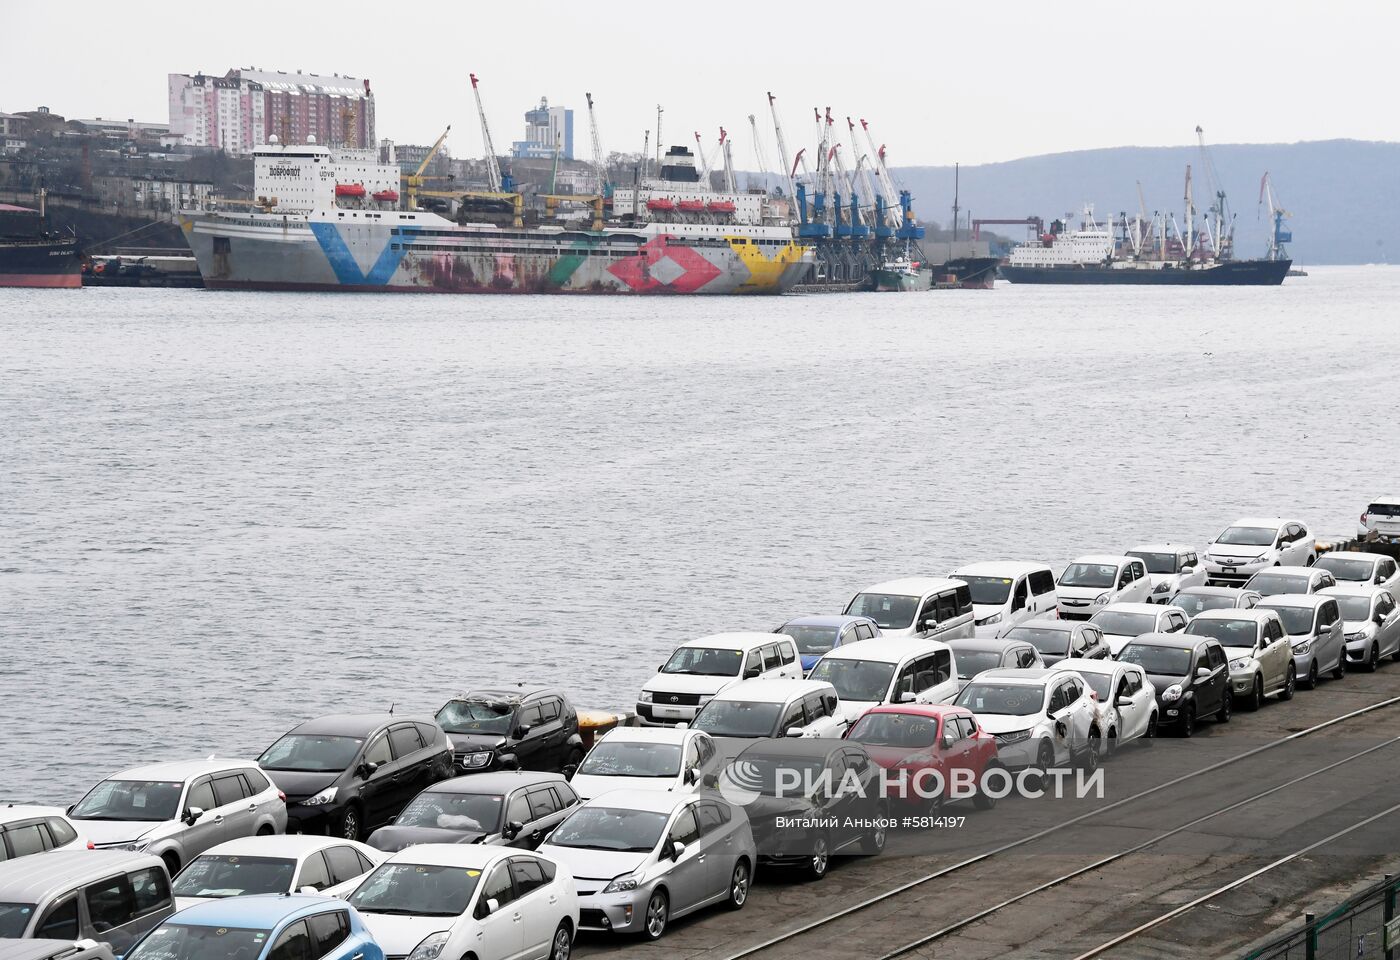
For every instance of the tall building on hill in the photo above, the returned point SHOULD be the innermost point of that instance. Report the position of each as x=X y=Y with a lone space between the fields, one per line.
x=241 y=109
x=546 y=128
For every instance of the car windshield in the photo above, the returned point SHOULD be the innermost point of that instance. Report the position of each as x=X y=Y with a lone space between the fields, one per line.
x=188 y=941
x=1156 y=562
x=211 y=875
x=14 y=918
x=737 y=718
x=1089 y=575
x=416 y=890
x=1002 y=699
x=1043 y=639
x=468 y=812
x=894 y=730
x=1122 y=624
x=311 y=753
x=890 y=611
x=130 y=800
x=476 y=716
x=856 y=679
x=811 y=641
x=1343 y=568
x=1272 y=584
x=989 y=590
x=1099 y=683
x=1248 y=536
x=973 y=662
x=611 y=828
x=783 y=777
x=620 y=758
x=1230 y=633
x=1296 y=620
x=705 y=662
x=1162 y=661
x=1196 y=603
x=1355 y=608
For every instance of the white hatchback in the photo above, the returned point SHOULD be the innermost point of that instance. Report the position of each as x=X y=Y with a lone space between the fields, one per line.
x=1252 y=544
x=1355 y=568
x=647 y=758
x=1121 y=623
x=1171 y=567
x=1091 y=583
x=27 y=829
x=1040 y=718
x=1006 y=592
x=1126 y=699
x=284 y=863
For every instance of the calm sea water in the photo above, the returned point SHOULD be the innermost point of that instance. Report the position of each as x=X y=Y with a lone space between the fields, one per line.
x=223 y=513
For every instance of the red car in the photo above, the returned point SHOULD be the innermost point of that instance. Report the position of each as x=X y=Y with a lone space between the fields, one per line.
x=918 y=740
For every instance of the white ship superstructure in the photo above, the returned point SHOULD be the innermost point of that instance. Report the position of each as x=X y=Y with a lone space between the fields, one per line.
x=1092 y=243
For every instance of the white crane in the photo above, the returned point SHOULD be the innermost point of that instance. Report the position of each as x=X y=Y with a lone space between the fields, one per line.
x=703 y=160
x=599 y=168
x=493 y=166
x=883 y=178
x=788 y=168
x=758 y=151
x=729 y=185
x=1278 y=236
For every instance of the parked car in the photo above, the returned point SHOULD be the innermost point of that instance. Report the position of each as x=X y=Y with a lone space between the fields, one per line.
x=1171 y=567
x=26 y=829
x=1040 y=718
x=1315 y=629
x=917 y=607
x=831 y=788
x=1381 y=520
x=820 y=634
x=914 y=740
x=889 y=670
x=1252 y=544
x=1091 y=583
x=1005 y=592
x=1370 y=623
x=1190 y=674
x=1365 y=569
x=647 y=758
x=974 y=655
x=346 y=774
x=772 y=708
x=1279 y=580
x=262 y=927
x=180 y=808
x=55 y=950
x=643 y=858
x=454 y=900
x=526 y=728
x=280 y=864
x=1057 y=639
x=112 y=896
x=1125 y=699
x=1258 y=651
x=1121 y=622
x=699 y=669
x=1195 y=600
x=513 y=808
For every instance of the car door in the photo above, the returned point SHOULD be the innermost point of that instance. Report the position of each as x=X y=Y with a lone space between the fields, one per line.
x=1020 y=608
x=1274 y=655
x=1133 y=706
x=1211 y=689
x=315 y=872
x=293 y=943
x=1042 y=584
x=1085 y=712
x=518 y=817
x=346 y=865
x=1387 y=573
x=721 y=853
x=500 y=932
x=122 y=908
x=60 y=920
x=329 y=933
x=208 y=829
x=927 y=621
x=1330 y=629
x=1059 y=711
x=1387 y=618
x=688 y=876
x=378 y=791
x=935 y=680
x=413 y=769
x=792 y=661
x=239 y=814
x=531 y=737
x=537 y=903
x=544 y=817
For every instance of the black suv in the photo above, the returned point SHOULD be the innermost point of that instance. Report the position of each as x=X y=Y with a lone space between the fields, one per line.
x=345 y=775
x=1191 y=674
x=525 y=728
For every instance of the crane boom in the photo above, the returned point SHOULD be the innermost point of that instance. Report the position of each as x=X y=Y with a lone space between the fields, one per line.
x=493 y=166
x=882 y=177
x=729 y=186
x=789 y=170
x=758 y=152
x=415 y=180
x=704 y=161
x=599 y=168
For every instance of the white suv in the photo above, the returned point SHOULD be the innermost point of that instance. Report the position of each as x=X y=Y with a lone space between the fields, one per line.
x=1171 y=567
x=1381 y=520
x=875 y=672
x=1252 y=544
x=1091 y=583
x=699 y=669
x=1005 y=592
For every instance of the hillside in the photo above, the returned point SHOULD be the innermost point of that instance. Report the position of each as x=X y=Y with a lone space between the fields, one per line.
x=1344 y=194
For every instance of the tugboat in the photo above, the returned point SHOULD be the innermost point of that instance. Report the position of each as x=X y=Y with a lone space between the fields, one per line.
x=33 y=256
x=897 y=274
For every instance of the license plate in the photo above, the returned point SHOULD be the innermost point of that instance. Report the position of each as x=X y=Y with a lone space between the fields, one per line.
x=669 y=711
x=1229 y=569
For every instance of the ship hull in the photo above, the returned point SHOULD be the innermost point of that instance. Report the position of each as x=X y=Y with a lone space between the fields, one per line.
x=967 y=273
x=1231 y=273
x=40 y=263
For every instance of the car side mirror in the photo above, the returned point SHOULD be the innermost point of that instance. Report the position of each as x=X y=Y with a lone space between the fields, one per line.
x=908 y=697
x=1125 y=701
x=512 y=829
x=523 y=730
x=492 y=905
x=751 y=672
x=793 y=732
x=367 y=769
x=1202 y=672
x=928 y=623
x=677 y=848
x=308 y=889
x=192 y=815
x=1188 y=569
x=1061 y=730
x=691 y=775
x=69 y=810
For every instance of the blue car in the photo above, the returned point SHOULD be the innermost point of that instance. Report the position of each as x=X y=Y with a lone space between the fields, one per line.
x=816 y=635
x=278 y=926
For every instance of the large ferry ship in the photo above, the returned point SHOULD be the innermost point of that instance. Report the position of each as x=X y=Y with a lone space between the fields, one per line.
x=330 y=219
x=33 y=256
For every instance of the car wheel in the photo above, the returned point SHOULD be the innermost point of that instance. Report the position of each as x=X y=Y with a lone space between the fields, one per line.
x=1311 y=682
x=350 y=823
x=874 y=842
x=1110 y=746
x=1340 y=670
x=1374 y=660
x=658 y=912
x=1227 y=704
x=1396 y=655
x=1188 y=722
x=563 y=944
x=575 y=758
x=983 y=800
x=739 y=885
x=820 y=860
x=1089 y=759
x=1044 y=760
x=1289 y=685
x=172 y=862
x=1150 y=734
x=1256 y=696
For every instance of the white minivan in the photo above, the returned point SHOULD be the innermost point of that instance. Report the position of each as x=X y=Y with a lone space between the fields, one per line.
x=882 y=670
x=1005 y=592
x=699 y=669
x=917 y=607
x=1091 y=583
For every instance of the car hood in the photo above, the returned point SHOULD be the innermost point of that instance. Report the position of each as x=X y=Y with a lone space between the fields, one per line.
x=1081 y=593
x=687 y=683
x=1234 y=653
x=588 y=786
x=1356 y=626
x=1000 y=723
x=981 y=611
x=889 y=757
x=852 y=710
x=1157 y=579
x=392 y=839
x=299 y=785
x=594 y=864
x=1232 y=551
x=397 y=936
x=1162 y=681
x=475 y=742
x=116 y=831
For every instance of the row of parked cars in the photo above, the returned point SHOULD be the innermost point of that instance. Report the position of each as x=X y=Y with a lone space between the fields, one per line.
x=489 y=830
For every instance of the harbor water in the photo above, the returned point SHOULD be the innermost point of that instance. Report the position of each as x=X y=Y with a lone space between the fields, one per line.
x=223 y=513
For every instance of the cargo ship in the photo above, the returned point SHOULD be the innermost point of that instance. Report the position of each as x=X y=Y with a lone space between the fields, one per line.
x=329 y=219
x=33 y=256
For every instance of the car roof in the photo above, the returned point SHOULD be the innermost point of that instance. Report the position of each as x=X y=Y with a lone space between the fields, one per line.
x=774 y=689
x=999 y=568
x=1050 y=623
x=1353 y=555
x=804 y=747
x=674 y=735
x=1105 y=559
x=984 y=643
x=1171 y=639
x=274 y=845
x=913 y=586
x=1126 y=607
x=346 y=724
x=1386 y=498
x=885 y=649
x=1294 y=600
x=34 y=878
x=27 y=811
x=1212 y=591
x=1021 y=674
x=1235 y=613
x=510 y=694
x=1262 y=522
x=825 y=620
x=1162 y=548
x=1290 y=569
x=260 y=910
x=739 y=640
x=653 y=801
x=1085 y=665
x=920 y=709
x=1355 y=590
x=182 y=769
x=476 y=856
x=498 y=781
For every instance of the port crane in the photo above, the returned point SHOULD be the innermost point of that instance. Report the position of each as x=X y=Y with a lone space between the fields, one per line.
x=789 y=170
x=599 y=167
x=494 y=182
x=1278 y=236
x=414 y=181
x=703 y=160
x=728 y=156
x=758 y=152
x=1220 y=226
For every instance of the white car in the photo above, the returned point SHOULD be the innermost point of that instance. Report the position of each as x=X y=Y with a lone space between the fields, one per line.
x=1314 y=625
x=1370 y=622
x=1121 y=622
x=1171 y=568
x=1196 y=600
x=699 y=669
x=1361 y=569
x=1040 y=718
x=1091 y=583
x=1381 y=520
x=917 y=607
x=888 y=670
x=647 y=758
x=26 y=829
x=451 y=900
x=1280 y=580
x=1126 y=699
x=775 y=708
x=1257 y=649
x=297 y=863
x=1005 y=592
x=1251 y=544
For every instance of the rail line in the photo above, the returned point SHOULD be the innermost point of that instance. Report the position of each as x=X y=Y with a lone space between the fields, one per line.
x=1039 y=834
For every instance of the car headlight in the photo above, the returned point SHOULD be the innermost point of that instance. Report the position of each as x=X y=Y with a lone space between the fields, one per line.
x=1302 y=648
x=1101 y=598
x=994 y=618
x=628 y=881
x=431 y=946
x=1162 y=587
x=325 y=796
x=477 y=759
x=1240 y=663
x=1013 y=736
x=644 y=697
x=138 y=845
x=1172 y=693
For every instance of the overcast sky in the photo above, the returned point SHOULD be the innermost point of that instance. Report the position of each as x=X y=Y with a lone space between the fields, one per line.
x=939 y=82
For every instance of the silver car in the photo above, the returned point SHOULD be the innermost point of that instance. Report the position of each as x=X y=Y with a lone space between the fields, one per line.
x=1314 y=625
x=641 y=858
x=1371 y=622
x=1196 y=600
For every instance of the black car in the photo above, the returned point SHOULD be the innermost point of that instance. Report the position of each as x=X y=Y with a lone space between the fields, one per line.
x=825 y=814
x=514 y=808
x=525 y=728
x=1191 y=674
x=344 y=775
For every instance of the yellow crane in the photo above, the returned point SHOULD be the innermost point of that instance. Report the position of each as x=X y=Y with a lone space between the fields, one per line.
x=552 y=201
x=415 y=180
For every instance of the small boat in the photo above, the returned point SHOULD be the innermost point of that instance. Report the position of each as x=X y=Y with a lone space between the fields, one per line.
x=349 y=189
x=388 y=196
x=721 y=206
x=660 y=203
x=692 y=206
